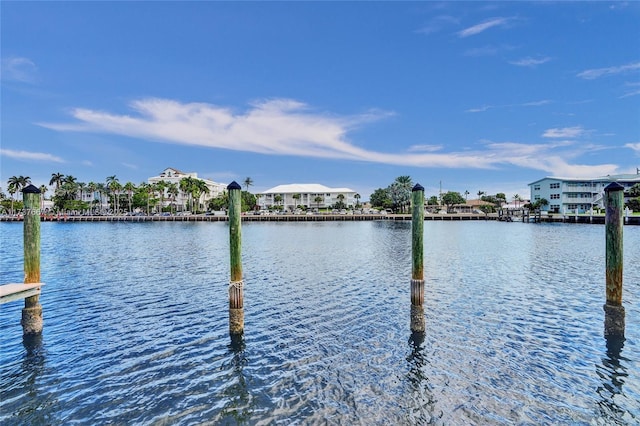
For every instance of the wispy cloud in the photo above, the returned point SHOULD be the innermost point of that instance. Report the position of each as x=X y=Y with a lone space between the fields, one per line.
x=19 y=69
x=525 y=104
x=424 y=148
x=634 y=91
x=564 y=132
x=530 y=62
x=554 y=158
x=483 y=26
x=600 y=72
x=289 y=127
x=30 y=156
x=437 y=24
x=634 y=146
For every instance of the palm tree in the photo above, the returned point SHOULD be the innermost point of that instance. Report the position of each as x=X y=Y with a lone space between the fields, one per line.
x=43 y=190
x=159 y=187
x=340 y=198
x=172 y=191
x=92 y=187
x=57 y=179
x=148 y=189
x=70 y=179
x=517 y=199
x=200 y=188
x=466 y=194
x=357 y=197
x=16 y=184
x=480 y=194
x=297 y=198
x=129 y=187
x=12 y=188
x=113 y=185
x=277 y=199
x=248 y=182
x=185 y=186
x=318 y=200
x=101 y=189
x=81 y=186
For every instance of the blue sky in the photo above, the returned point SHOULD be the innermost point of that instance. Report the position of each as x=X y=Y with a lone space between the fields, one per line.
x=467 y=95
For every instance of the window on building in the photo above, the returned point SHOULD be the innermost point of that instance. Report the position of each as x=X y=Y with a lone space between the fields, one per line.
x=536 y=187
x=554 y=185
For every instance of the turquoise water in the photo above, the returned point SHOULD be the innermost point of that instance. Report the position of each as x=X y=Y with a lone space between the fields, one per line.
x=136 y=326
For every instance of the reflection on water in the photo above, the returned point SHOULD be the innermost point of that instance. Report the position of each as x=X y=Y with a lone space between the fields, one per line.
x=613 y=374
x=238 y=407
x=136 y=326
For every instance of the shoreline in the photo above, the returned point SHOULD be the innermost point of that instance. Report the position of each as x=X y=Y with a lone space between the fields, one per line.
x=598 y=220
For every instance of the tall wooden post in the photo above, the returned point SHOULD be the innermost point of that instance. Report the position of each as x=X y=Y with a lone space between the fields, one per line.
x=236 y=292
x=614 y=321
x=32 y=312
x=417 y=259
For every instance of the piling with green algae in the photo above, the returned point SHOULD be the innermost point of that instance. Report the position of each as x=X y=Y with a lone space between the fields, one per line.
x=614 y=320
x=236 y=292
x=32 y=313
x=417 y=259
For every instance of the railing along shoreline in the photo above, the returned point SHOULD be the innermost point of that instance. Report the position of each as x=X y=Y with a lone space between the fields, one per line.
x=558 y=218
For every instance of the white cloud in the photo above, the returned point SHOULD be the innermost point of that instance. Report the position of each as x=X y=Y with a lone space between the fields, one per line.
x=19 y=69
x=437 y=24
x=564 y=132
x=635 y=90
x=530 y=62
x=30 y=156
x=425 y=148
x=483 y=26
x=634 y=146
x=526 y=104
x=480 y=109
x=289 y=127
x=599 y=72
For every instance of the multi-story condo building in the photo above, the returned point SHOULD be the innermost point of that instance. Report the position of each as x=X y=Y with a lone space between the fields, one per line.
x=576 y=194
x=311 y=195
x=171 y=175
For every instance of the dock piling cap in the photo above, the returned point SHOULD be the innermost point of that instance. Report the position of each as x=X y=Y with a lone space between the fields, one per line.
x=31 y=189
x=417 y=187
x=614 y=186
x=234 y=185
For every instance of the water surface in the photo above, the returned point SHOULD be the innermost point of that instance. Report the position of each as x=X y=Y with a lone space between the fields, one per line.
x=136 y=326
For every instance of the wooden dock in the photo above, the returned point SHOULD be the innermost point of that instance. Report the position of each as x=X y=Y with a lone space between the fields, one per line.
x=17 y=291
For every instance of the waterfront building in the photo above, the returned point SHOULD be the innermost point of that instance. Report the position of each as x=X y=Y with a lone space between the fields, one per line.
x=569 y=195
x=305 y=194
x=171 y=175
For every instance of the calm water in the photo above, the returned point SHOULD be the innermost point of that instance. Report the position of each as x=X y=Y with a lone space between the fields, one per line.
x=136 y=326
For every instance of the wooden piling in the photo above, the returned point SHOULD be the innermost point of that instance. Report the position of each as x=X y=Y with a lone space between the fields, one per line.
x=236 y=291
x=417 y=259
x=614 y=322
x=32 y=313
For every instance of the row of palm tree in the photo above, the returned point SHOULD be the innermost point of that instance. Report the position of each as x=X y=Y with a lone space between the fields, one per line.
x=70 y=194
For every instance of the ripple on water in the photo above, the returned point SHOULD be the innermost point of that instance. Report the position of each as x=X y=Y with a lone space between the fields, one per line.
x=136 y=327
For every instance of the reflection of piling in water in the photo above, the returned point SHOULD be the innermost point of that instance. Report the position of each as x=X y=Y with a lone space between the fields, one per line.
x=614 y=321
x=32 y=312
x=236 y=293
x=417 y=264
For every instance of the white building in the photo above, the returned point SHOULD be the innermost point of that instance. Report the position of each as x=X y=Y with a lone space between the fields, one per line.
x=574 y=194
x=171 y=175
x=308 y=193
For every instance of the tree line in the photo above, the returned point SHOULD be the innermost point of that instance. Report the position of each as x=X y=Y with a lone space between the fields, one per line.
x=111 y=196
